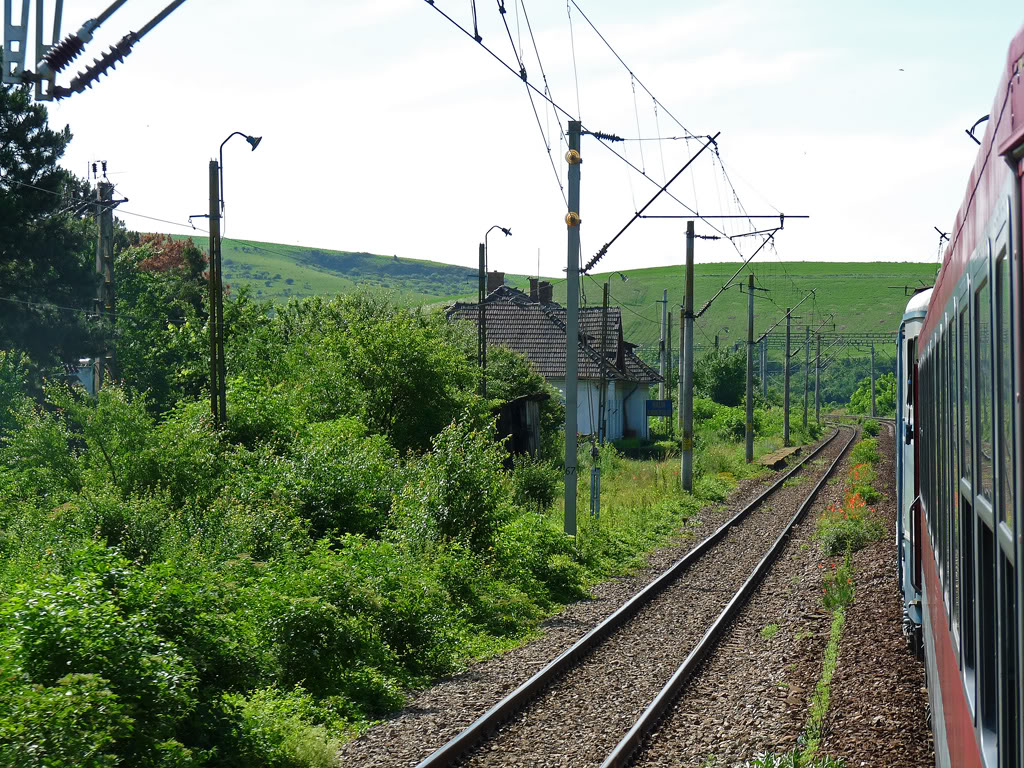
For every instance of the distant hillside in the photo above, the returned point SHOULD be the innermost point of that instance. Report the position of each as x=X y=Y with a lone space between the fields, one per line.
x=863 y=296
x=280 y=272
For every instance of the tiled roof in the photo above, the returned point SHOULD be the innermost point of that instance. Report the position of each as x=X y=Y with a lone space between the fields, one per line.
x=537 y=331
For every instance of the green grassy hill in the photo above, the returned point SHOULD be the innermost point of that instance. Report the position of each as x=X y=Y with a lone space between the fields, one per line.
x=280 y=272
x=863 y=297
x=860 y=295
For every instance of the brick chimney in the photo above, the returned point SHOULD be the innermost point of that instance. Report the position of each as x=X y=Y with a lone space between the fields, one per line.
x=533 y=289
x=495 y=280
x=545 y=292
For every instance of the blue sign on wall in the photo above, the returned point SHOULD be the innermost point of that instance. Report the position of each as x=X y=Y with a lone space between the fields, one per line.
x=659 y=409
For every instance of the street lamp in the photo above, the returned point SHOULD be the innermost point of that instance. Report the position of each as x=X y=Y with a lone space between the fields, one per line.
x=254 y=141
x=481 y=324
x=218 y=374
x=503 y=229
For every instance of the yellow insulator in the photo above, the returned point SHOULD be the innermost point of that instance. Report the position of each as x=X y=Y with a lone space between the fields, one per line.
x=572 y=219
x=572 y=157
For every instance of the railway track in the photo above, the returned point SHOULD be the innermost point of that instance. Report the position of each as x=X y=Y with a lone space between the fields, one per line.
x=594 y=702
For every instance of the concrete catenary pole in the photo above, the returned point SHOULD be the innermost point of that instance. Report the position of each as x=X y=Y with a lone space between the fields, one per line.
x=817 y=383
x=785 y=396
x=873 y=413
x=602 y=399
x=750 y=369
x=572 y=339
x=662 y=366
x=481 y=325
x=807 y=368
x=686 y=393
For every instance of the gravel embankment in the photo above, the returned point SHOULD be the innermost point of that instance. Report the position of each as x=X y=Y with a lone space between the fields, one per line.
x=878 y=715
x=613 y=685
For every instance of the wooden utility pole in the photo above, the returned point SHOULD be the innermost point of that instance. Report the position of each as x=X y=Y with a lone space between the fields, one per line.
x=218 y=370
x=807 y=365
x=481 y=323
x=785 y=397
x=764 y=368
x=603 y=396
x=572 y=339
x=873 y=413
x=104 y=303
x=668 y=355
x=686 y=391
x=679 y=415
x=662 y=369
x=817 y=383
x=750 y=368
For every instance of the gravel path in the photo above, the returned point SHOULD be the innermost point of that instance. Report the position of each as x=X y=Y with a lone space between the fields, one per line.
x=437 y=714
x=879 y=702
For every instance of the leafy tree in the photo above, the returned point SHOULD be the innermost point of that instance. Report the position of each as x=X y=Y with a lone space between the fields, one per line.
x=162 y=288
x=47 y=279
x=722 y=376
x=885 y=396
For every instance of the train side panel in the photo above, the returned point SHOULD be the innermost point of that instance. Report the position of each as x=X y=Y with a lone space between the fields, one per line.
x=967 y=421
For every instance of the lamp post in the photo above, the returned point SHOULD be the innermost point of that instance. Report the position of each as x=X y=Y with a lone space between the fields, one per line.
x=254 y=141
x=481 y=325
x=218 y=374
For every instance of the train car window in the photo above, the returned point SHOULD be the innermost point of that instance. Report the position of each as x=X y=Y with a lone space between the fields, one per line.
x=988 y=682
x=966 y=454
x=983 y=390
x=1008 y=654
x=967 y=636
x=942 y=465
x=949 y=479
x=1005 y=362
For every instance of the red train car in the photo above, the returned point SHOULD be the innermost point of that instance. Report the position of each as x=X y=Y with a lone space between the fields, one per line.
x=961 y=429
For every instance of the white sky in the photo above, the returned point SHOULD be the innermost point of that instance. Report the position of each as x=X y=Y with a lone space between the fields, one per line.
x=385 y=129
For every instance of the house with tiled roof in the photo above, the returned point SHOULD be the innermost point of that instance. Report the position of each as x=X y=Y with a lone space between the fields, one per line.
x=534 y=326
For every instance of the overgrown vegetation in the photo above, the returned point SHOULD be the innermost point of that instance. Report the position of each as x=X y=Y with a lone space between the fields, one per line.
x=852 y=525
x=822 y=692
x=252 y=594
x=794 y=759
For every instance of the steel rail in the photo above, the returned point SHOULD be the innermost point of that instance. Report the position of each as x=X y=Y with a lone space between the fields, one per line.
x=623 y=752
x=460 y=745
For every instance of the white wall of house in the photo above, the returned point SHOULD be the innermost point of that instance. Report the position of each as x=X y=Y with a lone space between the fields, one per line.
x=620 y=413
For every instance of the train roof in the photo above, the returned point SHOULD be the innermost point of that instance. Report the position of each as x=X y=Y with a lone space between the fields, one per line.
x=1004 y=136
x=918 y=304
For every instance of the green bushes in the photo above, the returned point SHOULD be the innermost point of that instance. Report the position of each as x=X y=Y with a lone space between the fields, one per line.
x=871 y=427
x=458 y=491
x=866 y=452
x=175 y=593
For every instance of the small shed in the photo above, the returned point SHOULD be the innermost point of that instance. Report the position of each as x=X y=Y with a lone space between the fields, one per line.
x=519 y=421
